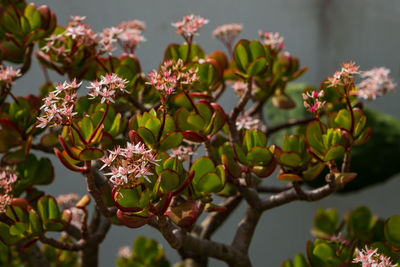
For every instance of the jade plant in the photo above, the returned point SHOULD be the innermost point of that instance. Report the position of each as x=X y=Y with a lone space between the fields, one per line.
x=158 y=149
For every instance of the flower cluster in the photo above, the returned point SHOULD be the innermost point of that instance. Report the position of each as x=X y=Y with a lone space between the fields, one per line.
x=272 y=40
x=227 y=33
x=131 y=34
x=246 y=122
x=107 y=87
x=240 y=87
x=59 y=105
x=124 y=252
x=376 y=82
x=313 y=101
x=183 y=152
x=127 y=34
x=172 y=74
x=345 y=76
x=109 y=37
x=128 y=165
x=189 y=26
x=8 y=74
x=7 y=178
x=371 y=258
x=68 y=201
x=78 y=31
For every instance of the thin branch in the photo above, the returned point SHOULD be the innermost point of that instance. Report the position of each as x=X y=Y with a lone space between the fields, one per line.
x=92 y=189
x=288 y=124
x=178 y=239
x=272 y=189
x=346 y=161
x=213 y=221
x=219 y=92
x=246 y=228
x=251 y=196
x=79 y=245
x=256 y=108
x=291 y=195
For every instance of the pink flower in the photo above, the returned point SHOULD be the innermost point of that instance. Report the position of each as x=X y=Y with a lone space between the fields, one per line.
x=128 y=34
x=125 y=252
x=129 y=165
x=227 y=33
x=272 y=40
x=376 y=82
x=371 y=258
x=189 y=26
x=183 y=152
x=7 y=178
x=67 y=201
x=77 y=31
x=107 y=87
x=246 y=122
x=170 y=75
x=345 y=75
x=8 y=74
x=59 y=105
x=240 y=87
x=313 y=101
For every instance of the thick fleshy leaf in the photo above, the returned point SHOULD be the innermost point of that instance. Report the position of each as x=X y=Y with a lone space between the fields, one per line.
x=171 y=140
x=345 y=177
x=256 y=50
x=313 y=172
x=314 y=132
x=147 y=136
x=360 y=222
x=290 y=159
x=18 y=228
x=334 y=152
x=196 y=122
x=48 y=208
x=264 y=171
x=68 y=162
x=194 y=137
x=169 y=180
x=289 y=177
x=208 y=183
x=133 y=220
x=15 y=157
x=127 y=199
x=91 y=153
x=253 y=138
x=259 y=156
x=392 y=231
x=184 y=214
x=35 y=225
x=5 y=235
x=241 y=55
x=201 y=166
x=210 y=207
x=231 y=165
x=257 y=67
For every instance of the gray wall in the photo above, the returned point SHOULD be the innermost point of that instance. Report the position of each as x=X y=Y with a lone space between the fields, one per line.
x=323 y=33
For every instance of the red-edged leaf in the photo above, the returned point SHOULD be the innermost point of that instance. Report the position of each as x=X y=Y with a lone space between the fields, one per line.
x=184 y=214
x=66 y=163
x=194 y=137
x=133 y=220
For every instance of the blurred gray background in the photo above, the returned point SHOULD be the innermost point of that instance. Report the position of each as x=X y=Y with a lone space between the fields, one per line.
x=322 y=33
